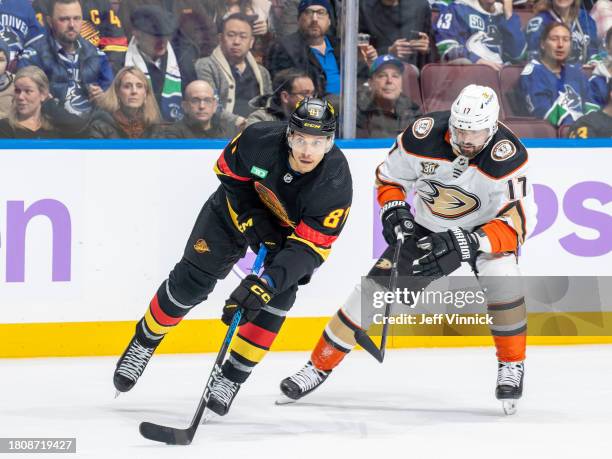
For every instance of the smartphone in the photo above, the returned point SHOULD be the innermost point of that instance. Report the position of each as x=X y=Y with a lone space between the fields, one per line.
x=252 y=18
x=414 y=35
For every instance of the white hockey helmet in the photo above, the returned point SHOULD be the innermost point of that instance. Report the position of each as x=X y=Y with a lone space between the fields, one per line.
x=476 y=108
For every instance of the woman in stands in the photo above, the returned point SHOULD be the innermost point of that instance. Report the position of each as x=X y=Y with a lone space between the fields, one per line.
x=33 y=114
x=127 y=110
x=554 y=90
x=585 y=44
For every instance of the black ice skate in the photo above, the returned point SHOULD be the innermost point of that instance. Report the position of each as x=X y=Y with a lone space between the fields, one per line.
x=302 y=383
x=222 y=393
x=131 y=365
x=509 y=384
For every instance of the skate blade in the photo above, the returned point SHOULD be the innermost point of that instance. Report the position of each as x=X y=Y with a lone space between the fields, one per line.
x=510 y=407
x=117 y=394
x=207 y=416
x=284 y=400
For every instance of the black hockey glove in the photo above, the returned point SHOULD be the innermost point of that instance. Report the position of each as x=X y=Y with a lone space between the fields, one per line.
x=446 y=251
x=258 y=227
x=251 y=295
x=396 y=214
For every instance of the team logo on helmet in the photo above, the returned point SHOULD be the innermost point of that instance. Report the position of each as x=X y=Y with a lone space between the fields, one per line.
x=503 y=150
x=422 y=127
x=448 y=201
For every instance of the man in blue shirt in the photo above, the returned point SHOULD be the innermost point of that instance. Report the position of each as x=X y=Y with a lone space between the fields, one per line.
x=310 y=48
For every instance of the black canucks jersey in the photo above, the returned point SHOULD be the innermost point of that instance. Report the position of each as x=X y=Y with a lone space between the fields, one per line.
x=313 y=207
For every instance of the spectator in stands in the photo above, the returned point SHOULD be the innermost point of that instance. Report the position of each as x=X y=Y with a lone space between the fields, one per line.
x=101 y=27
x=150 y=50
x=290 y=87
x=553 y=89
x=20 y=28
x=595 y=124
x=602 y=73
x=7 y=87
x=231 y=69
x=196 y=35
x=382 y=109
x=310 y=48
x=479 y=32
x=585 y=43
x=288 y=19
x=33 y=114
x=257 y=10
x=202 y=119
x=602 y=15
x=128 y=109
x=398 y=27
x=78 y=72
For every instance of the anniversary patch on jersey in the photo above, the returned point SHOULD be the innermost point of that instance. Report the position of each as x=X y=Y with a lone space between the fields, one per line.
x=503 y=150
x=428 y=168
x=383 y=263
x=448 y=201
x=272 y=202
x=422 y=127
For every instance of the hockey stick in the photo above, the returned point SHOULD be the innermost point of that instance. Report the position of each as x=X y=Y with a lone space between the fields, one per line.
x=361 y=336
x=173 y=436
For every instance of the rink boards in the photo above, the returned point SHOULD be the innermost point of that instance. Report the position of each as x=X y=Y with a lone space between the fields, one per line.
x=89 y=230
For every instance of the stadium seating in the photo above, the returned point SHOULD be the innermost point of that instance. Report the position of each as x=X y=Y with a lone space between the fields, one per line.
x=441 y=83
x=531 y=128
x=410 y=84
x=508 y=80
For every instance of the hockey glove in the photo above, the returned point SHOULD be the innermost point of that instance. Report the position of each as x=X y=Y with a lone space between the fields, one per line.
x=251 y=295
x=258 y=227
x=396 y=214
x=445 y=252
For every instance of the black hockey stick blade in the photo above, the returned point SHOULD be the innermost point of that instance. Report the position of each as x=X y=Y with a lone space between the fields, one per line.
x=368 y=345
x=168 y=435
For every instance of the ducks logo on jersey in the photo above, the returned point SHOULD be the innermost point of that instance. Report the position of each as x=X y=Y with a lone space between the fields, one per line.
x=448 y=201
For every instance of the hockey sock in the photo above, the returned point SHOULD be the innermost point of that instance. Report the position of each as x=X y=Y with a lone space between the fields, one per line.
x=337 y=341
x=509 y=329
x=162 y=316
x=252 y=343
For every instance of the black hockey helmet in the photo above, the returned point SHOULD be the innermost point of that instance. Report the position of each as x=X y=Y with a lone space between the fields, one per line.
x=313 y=116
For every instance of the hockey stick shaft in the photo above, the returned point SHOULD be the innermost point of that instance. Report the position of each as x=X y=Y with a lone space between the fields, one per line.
x=361 y=336
x=174 y=436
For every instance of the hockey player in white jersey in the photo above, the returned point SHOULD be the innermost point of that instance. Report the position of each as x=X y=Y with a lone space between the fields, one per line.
x=473 y=204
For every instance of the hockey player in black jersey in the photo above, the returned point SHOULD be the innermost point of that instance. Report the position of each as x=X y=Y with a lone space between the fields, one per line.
x=473 y=205
x=284 y=185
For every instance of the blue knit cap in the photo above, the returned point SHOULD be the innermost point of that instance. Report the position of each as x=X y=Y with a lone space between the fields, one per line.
x=306 y=3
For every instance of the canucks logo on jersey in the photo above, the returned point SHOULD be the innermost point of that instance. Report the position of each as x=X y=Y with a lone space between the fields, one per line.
x=465 y=30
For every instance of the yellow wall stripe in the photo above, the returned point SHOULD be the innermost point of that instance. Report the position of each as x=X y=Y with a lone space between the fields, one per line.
x=70 y=339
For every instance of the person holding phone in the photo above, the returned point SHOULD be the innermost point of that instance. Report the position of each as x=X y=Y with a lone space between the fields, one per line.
x=398 y=27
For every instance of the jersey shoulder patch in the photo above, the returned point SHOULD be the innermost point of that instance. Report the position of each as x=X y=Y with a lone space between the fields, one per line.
x=503 y=155
x=426 y=136
x=422 y=127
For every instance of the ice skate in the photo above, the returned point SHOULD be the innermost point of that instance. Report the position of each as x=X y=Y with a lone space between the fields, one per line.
x=302 y=383
x=131 y=365
x=222 y=393
x=509 y=385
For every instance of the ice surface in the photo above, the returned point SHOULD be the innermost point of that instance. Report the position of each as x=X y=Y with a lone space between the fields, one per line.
x=421 y=403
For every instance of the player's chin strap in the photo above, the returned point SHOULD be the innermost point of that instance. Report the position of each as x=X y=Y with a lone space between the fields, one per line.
x=361 y=336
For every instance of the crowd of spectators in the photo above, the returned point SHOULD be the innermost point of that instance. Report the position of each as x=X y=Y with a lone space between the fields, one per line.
x=208 y=68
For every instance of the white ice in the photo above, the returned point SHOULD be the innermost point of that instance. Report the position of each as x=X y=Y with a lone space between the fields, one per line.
x=421 y=403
